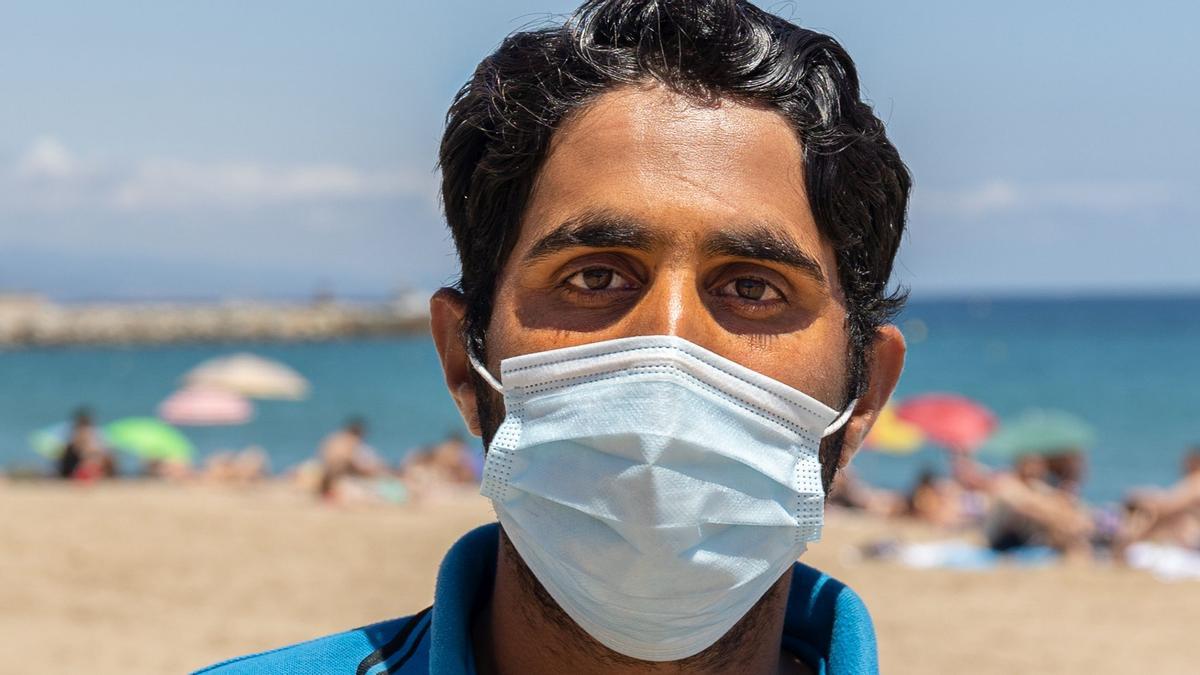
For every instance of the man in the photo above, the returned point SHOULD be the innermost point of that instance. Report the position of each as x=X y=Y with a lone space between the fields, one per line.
x=676 y=221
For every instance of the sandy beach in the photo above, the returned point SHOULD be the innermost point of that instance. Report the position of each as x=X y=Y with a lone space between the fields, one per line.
x=155 y=578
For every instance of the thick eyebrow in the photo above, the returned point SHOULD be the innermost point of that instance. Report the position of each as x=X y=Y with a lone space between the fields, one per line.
x=763 y=242
x=596 y=229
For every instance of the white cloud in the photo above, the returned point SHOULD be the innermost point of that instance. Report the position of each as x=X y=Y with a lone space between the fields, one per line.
x=48 y=177
x=1004 y=196
x=47 y=158
x=988 y=197
x=164 y=184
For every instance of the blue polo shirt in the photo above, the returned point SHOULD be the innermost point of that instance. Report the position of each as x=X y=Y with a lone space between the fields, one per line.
x=827 y=626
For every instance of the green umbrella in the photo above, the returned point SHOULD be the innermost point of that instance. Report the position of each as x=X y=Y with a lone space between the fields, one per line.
x=149 y=439
x=1042 y=432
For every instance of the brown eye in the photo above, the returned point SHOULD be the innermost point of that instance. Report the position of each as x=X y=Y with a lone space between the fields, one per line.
x=599 y=279
x=750 y=288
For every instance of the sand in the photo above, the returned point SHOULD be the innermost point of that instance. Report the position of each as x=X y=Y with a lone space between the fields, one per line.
x=151 y=578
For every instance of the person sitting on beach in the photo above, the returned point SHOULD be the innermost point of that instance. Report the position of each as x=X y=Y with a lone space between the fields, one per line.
x=85 y=457
x=344 y=455
x=1026 y=510
x=677 y=222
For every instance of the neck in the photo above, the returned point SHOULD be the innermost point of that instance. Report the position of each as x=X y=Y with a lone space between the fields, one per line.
x=524 y=631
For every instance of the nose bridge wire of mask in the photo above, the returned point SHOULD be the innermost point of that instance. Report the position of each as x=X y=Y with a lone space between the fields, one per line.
x=487 y=376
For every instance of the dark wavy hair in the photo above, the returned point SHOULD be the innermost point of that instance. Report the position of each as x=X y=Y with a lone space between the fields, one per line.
x=501 y=122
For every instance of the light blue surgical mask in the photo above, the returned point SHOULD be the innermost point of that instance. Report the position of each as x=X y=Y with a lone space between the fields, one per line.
x=656 y=489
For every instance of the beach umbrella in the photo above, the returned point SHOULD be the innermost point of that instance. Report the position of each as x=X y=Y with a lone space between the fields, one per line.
x=1039 y=431
x=951 y=420
x=892 y=435
x=249 y=375
x=205 y=406
x=149 y=439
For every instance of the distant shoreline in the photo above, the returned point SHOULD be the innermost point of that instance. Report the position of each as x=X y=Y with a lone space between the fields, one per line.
x=33 y=321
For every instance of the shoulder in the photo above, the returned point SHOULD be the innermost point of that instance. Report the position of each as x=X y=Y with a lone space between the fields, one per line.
x=827 y=619
x=390 y=644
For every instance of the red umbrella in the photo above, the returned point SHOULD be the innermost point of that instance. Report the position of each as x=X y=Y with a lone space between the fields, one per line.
x=951 y=420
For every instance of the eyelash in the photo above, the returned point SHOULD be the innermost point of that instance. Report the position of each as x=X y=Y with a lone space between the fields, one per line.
x=749 y=303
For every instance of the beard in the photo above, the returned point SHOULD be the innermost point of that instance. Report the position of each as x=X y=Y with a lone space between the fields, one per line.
x=576 y=644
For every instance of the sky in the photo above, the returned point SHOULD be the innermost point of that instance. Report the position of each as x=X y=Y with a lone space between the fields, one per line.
x=202 y=150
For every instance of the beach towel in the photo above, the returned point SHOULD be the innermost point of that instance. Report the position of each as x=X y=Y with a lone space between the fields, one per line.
x=1168 y=563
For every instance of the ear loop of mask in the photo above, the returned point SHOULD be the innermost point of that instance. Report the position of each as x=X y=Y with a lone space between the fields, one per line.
x=841 y=420
x=483 y=372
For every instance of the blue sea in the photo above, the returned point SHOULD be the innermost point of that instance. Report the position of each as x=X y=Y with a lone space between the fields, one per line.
x=1128 y=365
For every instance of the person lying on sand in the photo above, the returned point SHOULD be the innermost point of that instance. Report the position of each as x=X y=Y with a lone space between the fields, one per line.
x=850 y=491
x=247 y=466
x=1170 y=516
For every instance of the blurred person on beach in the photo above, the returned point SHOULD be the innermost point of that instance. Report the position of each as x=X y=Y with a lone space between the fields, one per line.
x=852 y=492
x=247 y=466
x=1065 y=469
x=1027 y=509
x=691 y=198
x=1170 y=516
x=937 y=501
x=453 y=458
x=345 y=456
x=85 y=457
x=440 y=470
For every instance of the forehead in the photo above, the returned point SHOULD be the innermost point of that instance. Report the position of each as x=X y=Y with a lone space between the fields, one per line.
x=668 y=161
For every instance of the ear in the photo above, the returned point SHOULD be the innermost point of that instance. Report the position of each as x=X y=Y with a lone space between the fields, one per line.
x=885 y=360
x=447 y=308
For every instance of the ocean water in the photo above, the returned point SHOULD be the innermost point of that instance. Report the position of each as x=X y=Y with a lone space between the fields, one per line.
x=1128 y=365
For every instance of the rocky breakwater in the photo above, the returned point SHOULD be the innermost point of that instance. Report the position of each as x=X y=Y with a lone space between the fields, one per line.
x=34 y=321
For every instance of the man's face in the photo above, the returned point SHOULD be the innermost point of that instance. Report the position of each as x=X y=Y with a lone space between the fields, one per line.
x=654 y=216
